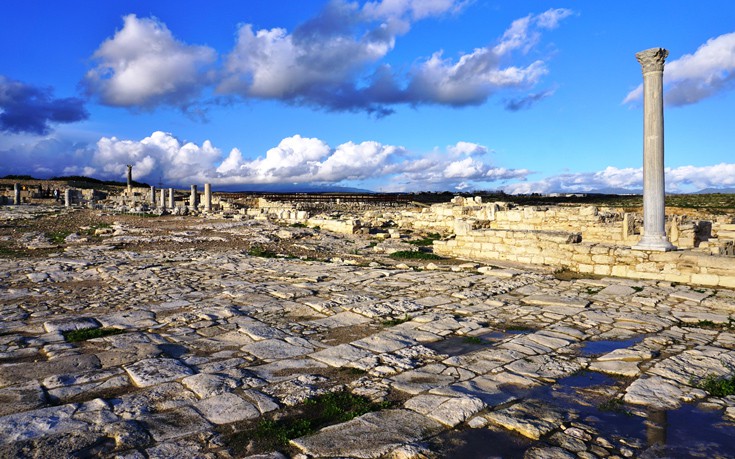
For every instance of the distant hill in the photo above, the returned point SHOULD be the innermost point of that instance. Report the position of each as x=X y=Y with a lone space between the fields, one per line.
x=716 y=191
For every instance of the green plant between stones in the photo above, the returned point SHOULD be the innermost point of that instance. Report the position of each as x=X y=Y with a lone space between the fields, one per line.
x=411 y=255
x=719 y=386
x=83 y=334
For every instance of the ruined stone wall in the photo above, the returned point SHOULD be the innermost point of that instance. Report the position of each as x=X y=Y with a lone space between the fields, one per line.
x=568 y=250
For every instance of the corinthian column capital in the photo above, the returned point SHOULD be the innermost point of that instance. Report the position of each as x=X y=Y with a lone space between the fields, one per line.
x=652 y=60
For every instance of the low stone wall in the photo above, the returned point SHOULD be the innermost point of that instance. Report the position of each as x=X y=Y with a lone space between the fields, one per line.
x=566 y=249
x=337 y=226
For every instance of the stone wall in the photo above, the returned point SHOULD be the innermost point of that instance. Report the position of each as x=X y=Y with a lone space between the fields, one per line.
x=568 y=250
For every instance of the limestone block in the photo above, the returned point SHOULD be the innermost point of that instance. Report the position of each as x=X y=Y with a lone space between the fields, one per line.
x=602 y=270
x=728 y=281
x=705 y=279
x=585 y=268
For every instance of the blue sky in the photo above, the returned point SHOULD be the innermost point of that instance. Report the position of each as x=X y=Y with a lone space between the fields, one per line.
x=387 y=95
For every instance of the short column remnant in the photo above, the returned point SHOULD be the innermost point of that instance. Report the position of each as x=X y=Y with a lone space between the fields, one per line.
x=193 y=198
x=208 y=197
x=130 y=178
x=654 y=217
x=171 y=202
x=153 y=196
x=67 y=197
x=16 y=199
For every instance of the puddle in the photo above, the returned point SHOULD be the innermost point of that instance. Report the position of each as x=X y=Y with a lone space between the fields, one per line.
x=596 y=348
x=481 y=444
x=460 y=345
x=685 y=432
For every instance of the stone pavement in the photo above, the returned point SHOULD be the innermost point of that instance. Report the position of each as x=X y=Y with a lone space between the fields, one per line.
x=214 y=339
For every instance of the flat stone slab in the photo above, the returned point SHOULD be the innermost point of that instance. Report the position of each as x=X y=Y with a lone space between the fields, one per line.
x=557 y=301
x=41 y=422
x=341 y=319
x=70 y=324
x=450 y=411
x=659 y=393
x=339 y=356
x=530 y=419
x=369 y=436
x=176 y=423
x=617 y=290
x=226 y=408
x=150 y=372
x=616 y=367
x=275 y=349
x=21 y=372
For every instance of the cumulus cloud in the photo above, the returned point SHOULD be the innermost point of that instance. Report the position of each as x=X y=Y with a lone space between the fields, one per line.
x=334 y=60
x=694 y=77
x=613 y=179
x=161 y=155
x=144 y=65
x=28 y=109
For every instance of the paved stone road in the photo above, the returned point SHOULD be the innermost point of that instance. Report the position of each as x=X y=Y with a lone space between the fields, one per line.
x=213 y=338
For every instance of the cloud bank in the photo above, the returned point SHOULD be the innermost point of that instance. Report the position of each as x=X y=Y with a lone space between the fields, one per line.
x=29 y=109
x=612 y=179
x=295 y=160
x=335 y=61
x=694 y=77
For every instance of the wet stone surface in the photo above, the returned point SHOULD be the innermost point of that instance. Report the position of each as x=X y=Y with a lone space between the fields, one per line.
x=473 y=365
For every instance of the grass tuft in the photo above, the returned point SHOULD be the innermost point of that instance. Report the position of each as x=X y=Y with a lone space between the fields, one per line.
x=411 y=255
x=258 y=251
x=84 y=334
x=314 y=414
x=427 y=241
x=719 y=386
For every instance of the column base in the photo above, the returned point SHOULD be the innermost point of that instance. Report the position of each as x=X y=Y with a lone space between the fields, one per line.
x=656 y=243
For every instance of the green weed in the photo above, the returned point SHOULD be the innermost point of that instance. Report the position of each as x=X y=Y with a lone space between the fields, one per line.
x=719 y=386
x=84 y=334
x=411 y=255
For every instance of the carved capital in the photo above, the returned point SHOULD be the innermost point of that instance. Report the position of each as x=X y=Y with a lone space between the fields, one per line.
x=652 y=60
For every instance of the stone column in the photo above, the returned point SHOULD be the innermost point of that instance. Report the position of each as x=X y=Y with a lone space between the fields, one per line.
x=16 y=198
x=130 y=178
x=193 y=198
x=654 y=218
x=208 y=197
x=171 y=202
x=67 y=197
x=153 y=196
x=163 y=198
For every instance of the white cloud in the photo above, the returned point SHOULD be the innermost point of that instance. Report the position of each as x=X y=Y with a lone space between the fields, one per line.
x=467 y=149
x=161 y=155
x=693 y=77
x=333 y=61
x=143 y=65
x=416 y=9
x=477 y=75
x=678 y=180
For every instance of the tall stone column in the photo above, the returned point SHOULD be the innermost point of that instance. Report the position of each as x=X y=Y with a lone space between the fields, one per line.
x=171 y=201
x=193 y=198
x=153 y=196
x=654 y=218
x=130 y=178
x=208 y=197
x=163 y=198
x=16 y=199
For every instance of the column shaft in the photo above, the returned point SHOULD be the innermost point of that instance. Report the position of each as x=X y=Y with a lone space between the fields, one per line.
x=654 y=216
